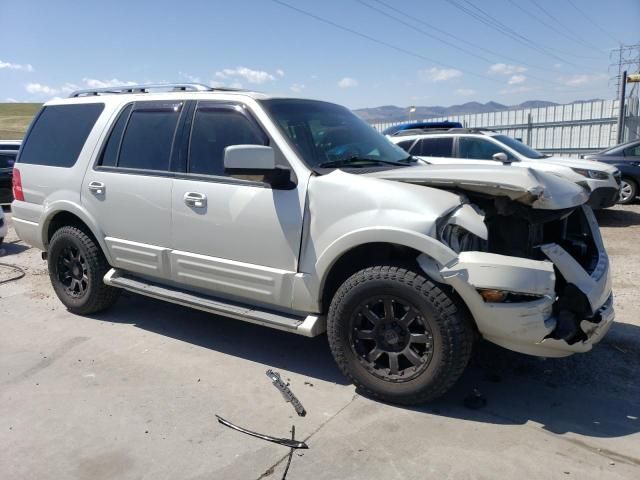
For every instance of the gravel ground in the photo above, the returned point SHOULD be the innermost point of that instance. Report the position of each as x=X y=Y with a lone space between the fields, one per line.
x=132 y=393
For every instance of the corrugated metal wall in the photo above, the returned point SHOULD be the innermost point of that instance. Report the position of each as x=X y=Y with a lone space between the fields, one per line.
x=570 y=129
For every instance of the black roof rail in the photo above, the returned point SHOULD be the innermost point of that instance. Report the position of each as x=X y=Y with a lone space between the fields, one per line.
x=145 y=88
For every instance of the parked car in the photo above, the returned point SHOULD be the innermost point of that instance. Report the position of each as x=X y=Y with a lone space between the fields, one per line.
x=421 y=126
x=8 y=152
x=626 y=158
x=473 y=146
x=297 y=215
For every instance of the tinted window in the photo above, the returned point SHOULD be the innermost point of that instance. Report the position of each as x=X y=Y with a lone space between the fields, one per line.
x=58 y=134
x=111 y=150
x=632 y=151
x=214 y=129
x=147 y=141
x=478 y=149
x=7 y=160
x=9 y=146
x=405 y=144
x=434 y=147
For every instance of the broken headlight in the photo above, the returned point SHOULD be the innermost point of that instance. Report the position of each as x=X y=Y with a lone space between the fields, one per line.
x=460 y=239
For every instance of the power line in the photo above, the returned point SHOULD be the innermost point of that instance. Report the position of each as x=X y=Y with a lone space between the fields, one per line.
x=550 y=26
x=476 y=13
x=501 y=56
x=381 y=42
x=592 y=21
x=419 y=30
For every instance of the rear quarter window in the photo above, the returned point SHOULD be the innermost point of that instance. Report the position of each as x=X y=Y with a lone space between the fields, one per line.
x=59 y=133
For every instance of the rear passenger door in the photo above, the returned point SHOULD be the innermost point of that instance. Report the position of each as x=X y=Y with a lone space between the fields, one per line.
x=234 y=237
x=128 y=189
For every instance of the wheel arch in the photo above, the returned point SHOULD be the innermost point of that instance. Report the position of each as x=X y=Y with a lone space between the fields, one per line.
x=68 y=213
x=370 y=247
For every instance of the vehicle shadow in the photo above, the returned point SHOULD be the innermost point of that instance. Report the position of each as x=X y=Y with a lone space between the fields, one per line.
x=277 y=349
x=595 y=394
x=12 y=248
x=617 y=217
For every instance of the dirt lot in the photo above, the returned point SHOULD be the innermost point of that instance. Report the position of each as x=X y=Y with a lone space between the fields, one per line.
x=132 y=393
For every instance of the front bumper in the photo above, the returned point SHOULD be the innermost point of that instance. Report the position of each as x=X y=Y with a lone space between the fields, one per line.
x=604 y=197
x=543 y=325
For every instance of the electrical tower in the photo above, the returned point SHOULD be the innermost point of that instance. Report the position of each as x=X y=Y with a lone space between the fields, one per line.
x=625 y=57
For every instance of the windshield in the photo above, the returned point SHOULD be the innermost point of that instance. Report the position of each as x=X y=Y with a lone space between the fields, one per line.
x=330 y=136
x=519 y=147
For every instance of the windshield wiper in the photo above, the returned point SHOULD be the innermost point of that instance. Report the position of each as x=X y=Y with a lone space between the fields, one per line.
x=358 y=162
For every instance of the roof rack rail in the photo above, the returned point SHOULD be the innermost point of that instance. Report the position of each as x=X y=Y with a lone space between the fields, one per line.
x=144 y=88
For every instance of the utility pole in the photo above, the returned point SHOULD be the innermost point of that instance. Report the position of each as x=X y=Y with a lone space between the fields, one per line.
x=623 y=90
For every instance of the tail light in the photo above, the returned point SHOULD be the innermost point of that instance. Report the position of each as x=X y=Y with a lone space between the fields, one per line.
x=16 y=183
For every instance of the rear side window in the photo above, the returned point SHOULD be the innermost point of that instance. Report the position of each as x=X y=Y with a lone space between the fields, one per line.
x=111 y=150
x=148 y=138
x=213 y=130
x=59 y=133
x=434 y=147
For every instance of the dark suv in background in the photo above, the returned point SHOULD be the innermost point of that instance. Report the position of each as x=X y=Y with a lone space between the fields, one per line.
x=8 y=153
x=626 y=157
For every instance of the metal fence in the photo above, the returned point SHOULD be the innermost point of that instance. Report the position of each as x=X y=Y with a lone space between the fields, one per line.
x=571 y=129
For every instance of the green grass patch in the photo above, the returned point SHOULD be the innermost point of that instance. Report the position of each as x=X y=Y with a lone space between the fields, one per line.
x=15 y=119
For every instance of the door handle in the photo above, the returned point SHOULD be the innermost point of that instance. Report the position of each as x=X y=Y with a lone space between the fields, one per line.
x=194 y=199
x=97 y=187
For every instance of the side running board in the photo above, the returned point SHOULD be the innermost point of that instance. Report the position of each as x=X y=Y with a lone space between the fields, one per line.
x=309 y=326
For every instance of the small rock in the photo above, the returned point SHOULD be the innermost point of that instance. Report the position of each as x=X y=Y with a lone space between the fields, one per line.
x=475 y=400
x=198 y=380
x=146 y=431
x=309 y=383
x=612 y=463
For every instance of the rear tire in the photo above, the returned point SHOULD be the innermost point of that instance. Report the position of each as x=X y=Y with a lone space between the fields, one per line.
x=628 y=191
x=77 y=267
x=397 y=336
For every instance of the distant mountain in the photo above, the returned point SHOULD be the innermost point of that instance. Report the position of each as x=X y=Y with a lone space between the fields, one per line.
x=392 y=113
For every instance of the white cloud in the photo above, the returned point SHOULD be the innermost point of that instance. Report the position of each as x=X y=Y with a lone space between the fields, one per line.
x=506 y=69
x=297 y=87
x=114 y=82
x=10 y=100
x=578 y=80
x=348 y=82
x=436 y=74
x=517 y=79
x=251 y=76
x=465 y=92
x=27 y=67
x=280 y=72
x=40 y=89
x=557 y=66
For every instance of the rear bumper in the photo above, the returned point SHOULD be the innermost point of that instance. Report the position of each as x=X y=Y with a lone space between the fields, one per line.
x=552 y=323
x=603 y=197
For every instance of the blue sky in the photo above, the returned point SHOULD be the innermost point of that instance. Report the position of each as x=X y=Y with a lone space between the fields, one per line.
x=410 y=52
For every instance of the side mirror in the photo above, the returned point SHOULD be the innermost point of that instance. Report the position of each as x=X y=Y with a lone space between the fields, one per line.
x=256 y=161
x=501 y=157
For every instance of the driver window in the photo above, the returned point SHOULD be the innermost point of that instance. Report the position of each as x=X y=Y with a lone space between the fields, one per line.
x=478 y=149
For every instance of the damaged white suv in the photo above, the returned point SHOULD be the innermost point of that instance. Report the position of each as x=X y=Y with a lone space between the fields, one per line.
x=296 y=215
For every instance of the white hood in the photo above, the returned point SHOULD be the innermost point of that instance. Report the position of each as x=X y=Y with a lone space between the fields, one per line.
x=575 y=163
x=532 y=187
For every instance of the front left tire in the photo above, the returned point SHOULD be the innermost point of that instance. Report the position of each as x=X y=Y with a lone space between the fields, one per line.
x=77 y=267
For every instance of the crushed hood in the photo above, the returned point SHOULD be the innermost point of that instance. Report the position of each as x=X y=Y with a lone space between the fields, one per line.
x=538 y=189
x=577 y=163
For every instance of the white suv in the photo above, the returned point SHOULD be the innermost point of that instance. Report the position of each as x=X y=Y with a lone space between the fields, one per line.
x=296 y=215
x=462 y=146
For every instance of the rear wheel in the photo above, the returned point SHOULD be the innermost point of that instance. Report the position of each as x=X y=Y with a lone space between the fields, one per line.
x=76 y=269
x=628 y=191
x=398 y=336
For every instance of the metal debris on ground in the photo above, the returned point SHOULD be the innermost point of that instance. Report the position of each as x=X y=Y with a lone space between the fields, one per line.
x=293 y=444
x=286 y=392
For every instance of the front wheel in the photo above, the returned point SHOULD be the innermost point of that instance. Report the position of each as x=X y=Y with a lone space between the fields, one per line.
x=398 y=336
x=628 y=191
x=77 y=267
